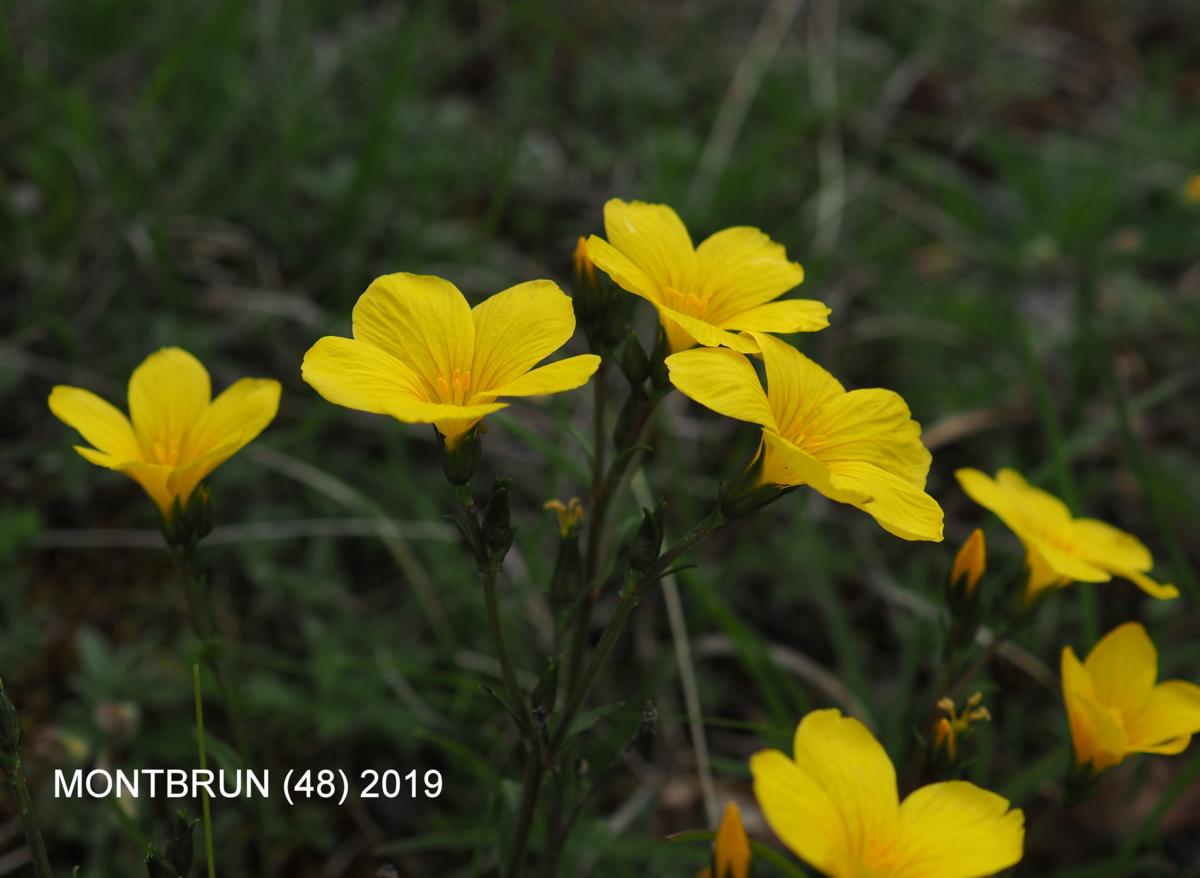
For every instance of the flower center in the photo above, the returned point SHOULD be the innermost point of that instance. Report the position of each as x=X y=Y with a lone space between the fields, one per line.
x=803 y=436
x=687 y=303
x=166 y=450
x=457 y=389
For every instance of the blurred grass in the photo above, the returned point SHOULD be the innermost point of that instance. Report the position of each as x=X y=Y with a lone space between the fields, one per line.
x=1013 y=253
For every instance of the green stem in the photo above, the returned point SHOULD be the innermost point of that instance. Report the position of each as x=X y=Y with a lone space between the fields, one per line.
x=530 y=790
x=507 y=671
x=205 y=804
x=631 y=595
x=29 y=821
x=204 y=626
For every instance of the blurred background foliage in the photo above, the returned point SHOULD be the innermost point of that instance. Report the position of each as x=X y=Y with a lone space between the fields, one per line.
x=991 y=196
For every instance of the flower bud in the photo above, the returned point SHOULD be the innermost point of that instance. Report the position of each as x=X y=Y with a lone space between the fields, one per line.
x=647 y=542
x=635 y=365
x=179 y=845
x=660 y=377
x=731 y=850
x=969 y=563
x=568 y=564
x=10 y=726
x=497 y=521
x=158 y=866
x=545 y=693
x=460 y=460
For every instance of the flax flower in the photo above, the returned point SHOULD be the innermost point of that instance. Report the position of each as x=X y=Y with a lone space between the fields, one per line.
x=1061 y=549
x=1115 y=707
x=859 y=447
x=176 y=433
x=836 y=806
x=708 y=294
x=421 y=354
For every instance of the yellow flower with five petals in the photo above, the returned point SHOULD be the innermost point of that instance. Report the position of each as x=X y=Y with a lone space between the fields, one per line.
x=860 y=447
x=835 y=804
x=176 y=433
x=1116 y=708
x=421 y=354
x=1061 y=549
x=704 y=295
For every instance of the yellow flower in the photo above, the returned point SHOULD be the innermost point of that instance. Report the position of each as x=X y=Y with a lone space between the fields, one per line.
x=836 y=806
x=1061 y=549
x=569 y=514
x=1114 y=706
x=178 y=434
x=859 y=447
x=969 y=563
x=731 y=851
x=421 y=354
x=707 y=294
x=1191 y=191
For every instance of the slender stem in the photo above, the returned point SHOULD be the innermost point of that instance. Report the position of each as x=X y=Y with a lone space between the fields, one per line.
x=530 y=790
x=29 y=821
x=634 y=590
x=205 y=804
x=516 y=697
x=203 y=624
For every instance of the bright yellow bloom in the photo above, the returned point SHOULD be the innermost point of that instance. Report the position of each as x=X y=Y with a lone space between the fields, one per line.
x=1192 y=190
x=1061 y=549
x=731 y=850
x=178 y=434
x=421 y=354
x=969 y=563
x=836 y=806
x=704 y=295
x=1116 y=709
x=859 y=447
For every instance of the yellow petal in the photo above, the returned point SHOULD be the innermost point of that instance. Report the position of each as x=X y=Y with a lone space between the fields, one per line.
x=722 y=380
x=516 y=329
x=553 y=378
x=872 y=426
x=98 y=421
x=1170 y=716
x=1123 y=667
x=236 y=416
x=167 y=394
x=798 y=810
x=900 y=508
x=1106 y=546
x=154 y=480
x=422 y=321
x=1148 y=585
x=683 y=330
x=1041 y=575
x=741 y=268
x=622 y=270
x=849 y=764
x=361 y=376
x=1040 y=506
x=183 y=480
x=796 y=386
x=233 y=419
x=785 y=464
x=957 y=830
x=791 y=315
x=652 y=237
x=732 y=852
x=1097 y=737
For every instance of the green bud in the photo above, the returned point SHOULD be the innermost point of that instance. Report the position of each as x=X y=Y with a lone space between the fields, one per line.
x=545 y=694
x=629 y=419
x=660 y=378
x=179 y=845
x=497 y=521
x=748 y=492
x=460 y=461
x=647 y=542
x=635 y=365
x=568 y=571
x=10 y=725
x=157 y=866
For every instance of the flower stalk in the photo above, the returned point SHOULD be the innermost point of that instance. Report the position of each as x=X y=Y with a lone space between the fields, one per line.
x=10 y=762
